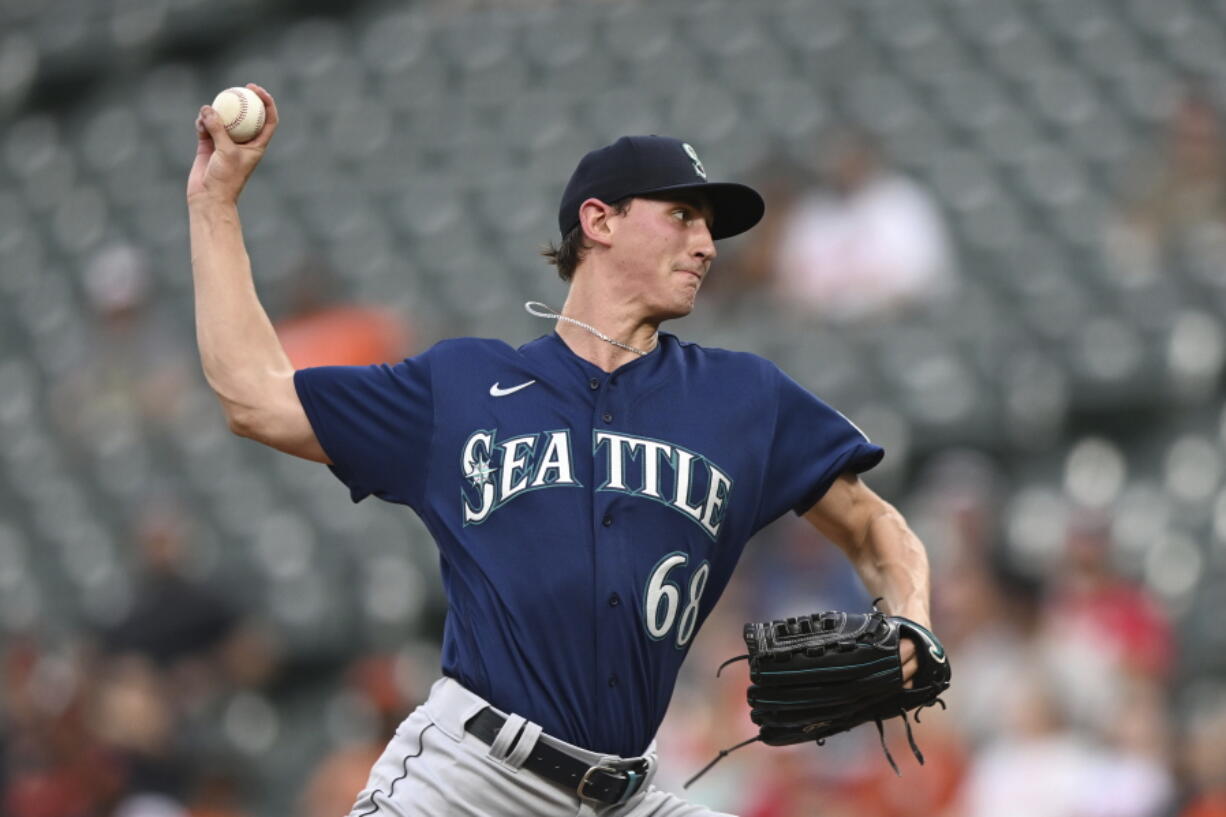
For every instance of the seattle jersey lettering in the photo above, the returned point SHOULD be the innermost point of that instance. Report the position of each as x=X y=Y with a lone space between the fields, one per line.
x=682 y=480
x=666 y=473
x=520 y=468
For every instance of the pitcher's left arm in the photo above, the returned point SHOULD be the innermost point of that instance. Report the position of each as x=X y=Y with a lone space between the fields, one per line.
x=888 y=556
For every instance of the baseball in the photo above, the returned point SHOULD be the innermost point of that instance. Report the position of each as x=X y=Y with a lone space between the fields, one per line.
x=242 y=111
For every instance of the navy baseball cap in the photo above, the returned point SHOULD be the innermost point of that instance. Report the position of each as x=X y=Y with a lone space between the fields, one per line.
x=654 y=165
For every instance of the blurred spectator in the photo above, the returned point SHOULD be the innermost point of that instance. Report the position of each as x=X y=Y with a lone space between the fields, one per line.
x=53 y=763
x=333 y=786
x=109 y=733
x=150 y=805
x=216 y=791
x=1204 y=757
x=1093 y=604
x=1040 y=766
x=1101 y=632
x=1174 y=207
x=1037 y=766
x=754 y=255
x=182 y=624
x=172 y=617
x=956 y=498
x=993 y=627
x=132 y=713
x=870 y=244
x=136 y=365
x=321 y=331
x=1134 y=778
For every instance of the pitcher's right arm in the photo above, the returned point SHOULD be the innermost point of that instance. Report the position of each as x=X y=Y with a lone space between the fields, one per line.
x=242 y=357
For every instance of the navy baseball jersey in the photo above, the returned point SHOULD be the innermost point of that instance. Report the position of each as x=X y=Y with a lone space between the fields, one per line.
x=586 y=521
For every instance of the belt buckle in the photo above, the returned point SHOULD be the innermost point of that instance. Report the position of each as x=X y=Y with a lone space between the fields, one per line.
x=634 y=782
x=587 y=779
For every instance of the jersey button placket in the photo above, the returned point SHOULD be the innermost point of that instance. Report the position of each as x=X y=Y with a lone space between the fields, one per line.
x=608 y=624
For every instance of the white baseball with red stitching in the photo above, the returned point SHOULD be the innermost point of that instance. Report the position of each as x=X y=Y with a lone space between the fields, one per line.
x=242 y=111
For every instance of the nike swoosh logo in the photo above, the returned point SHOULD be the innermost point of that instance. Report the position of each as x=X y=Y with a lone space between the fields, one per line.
x=497 y=392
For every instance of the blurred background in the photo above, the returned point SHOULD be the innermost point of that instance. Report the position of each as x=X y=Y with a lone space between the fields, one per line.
x=996 y=239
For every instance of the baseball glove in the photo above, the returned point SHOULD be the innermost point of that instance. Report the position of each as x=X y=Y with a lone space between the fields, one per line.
x=817 y=675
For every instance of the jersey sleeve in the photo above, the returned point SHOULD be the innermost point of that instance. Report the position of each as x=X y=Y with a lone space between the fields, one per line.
x=812 y=445
x=375 y=423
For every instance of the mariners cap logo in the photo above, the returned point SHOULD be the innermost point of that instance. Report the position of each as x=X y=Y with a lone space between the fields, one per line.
x=693 y=154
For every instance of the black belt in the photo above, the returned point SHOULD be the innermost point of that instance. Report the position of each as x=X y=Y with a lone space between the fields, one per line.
x=610 y=783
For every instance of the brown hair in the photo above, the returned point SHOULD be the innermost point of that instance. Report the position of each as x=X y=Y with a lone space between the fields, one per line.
x=567 y=255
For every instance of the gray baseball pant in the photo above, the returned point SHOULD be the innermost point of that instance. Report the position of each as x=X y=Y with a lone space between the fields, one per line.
x=434 y=768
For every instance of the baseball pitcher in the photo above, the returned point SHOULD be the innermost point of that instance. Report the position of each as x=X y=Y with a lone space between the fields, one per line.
x=590 y=493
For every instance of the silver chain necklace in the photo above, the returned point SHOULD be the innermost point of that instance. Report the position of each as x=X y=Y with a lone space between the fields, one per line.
x=540 y=310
